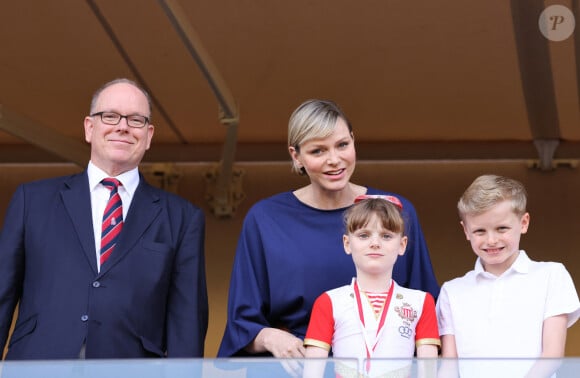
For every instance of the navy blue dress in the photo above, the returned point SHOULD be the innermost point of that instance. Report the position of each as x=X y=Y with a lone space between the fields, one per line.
x=288 y=254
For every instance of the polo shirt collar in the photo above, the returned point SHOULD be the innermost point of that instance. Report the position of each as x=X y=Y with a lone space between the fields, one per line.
x=521 y=265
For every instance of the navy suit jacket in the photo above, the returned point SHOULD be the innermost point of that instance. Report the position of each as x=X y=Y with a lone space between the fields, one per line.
x=148 y=300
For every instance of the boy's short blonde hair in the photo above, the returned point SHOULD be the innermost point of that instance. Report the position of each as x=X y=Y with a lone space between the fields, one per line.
x=313 y=119
x=488 y=190
x=359 y=215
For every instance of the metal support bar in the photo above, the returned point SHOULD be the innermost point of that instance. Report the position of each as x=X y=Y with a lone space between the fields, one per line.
x=226 y=203
x=537 y=79
x=546 y=150
x=45 y=138
x=133 y=67
x=163 y=175
x=192 y=42
x=221 y=198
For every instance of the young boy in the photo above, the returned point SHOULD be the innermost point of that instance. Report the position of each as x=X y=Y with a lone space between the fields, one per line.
x=373 y=317
x=508 y=306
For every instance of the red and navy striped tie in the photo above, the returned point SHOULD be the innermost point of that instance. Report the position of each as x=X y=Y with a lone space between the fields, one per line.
x=112 y=219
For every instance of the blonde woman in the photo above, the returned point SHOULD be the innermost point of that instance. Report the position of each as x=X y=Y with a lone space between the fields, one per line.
x=290 y=248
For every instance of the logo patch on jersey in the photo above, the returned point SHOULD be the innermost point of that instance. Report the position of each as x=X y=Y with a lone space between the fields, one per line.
x=406 y=312
x=406 y=332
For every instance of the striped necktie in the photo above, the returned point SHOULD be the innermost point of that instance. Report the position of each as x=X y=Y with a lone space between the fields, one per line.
x=112 y=219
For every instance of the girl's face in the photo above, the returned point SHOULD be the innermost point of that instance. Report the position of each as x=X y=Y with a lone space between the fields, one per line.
x=374 y=249
x=329 y=162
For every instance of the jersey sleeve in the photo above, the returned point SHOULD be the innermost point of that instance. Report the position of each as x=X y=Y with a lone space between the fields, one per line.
x=427 y=331
x=321 y=326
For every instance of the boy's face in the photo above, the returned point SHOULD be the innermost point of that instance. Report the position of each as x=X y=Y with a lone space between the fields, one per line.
x=374 y=250
x=495 y=236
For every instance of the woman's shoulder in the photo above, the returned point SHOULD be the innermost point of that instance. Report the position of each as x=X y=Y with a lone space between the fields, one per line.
x=276 y=205
x=271 y=203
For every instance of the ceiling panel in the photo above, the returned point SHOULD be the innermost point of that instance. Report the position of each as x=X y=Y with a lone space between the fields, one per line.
x=418 y=73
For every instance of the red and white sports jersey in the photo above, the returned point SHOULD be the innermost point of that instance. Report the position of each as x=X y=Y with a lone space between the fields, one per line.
x=335 y=322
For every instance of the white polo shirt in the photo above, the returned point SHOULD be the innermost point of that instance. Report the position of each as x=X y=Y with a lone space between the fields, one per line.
x=502 y=317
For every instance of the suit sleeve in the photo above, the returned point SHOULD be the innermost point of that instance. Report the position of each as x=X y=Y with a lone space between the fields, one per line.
x=11 y=262
x=187 y=310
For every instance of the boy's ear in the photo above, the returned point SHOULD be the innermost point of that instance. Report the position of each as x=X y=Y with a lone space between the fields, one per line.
x=346 y=244
x=525 y=222
x=464 y=229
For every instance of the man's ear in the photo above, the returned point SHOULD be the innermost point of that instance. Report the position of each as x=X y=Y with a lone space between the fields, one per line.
x=150 y=131
x=88 y=129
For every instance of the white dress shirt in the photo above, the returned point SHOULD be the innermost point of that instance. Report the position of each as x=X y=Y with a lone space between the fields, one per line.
x=100 y=196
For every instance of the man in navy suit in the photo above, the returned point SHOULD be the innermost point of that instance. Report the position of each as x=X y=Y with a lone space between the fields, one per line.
x=149 y=298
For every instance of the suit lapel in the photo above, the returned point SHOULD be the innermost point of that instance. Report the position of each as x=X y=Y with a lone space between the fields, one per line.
x=77 y=202
x=144 y=209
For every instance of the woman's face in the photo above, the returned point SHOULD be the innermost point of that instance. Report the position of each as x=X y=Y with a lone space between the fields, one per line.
x=329 y=162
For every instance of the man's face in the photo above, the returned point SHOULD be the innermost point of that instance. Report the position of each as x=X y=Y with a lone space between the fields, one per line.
x=118 y=148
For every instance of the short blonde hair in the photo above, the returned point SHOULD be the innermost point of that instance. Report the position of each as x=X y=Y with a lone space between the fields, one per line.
x=488 y=190
x=359 y=215
x=313 y=119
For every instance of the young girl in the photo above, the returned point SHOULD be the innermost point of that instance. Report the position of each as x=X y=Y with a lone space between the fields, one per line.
x=373 y=317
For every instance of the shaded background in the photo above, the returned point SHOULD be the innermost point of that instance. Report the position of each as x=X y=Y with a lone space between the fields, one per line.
x=437 y=92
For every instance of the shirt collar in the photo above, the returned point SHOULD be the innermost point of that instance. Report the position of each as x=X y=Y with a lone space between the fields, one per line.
x=521 y=265
x=130 y=179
